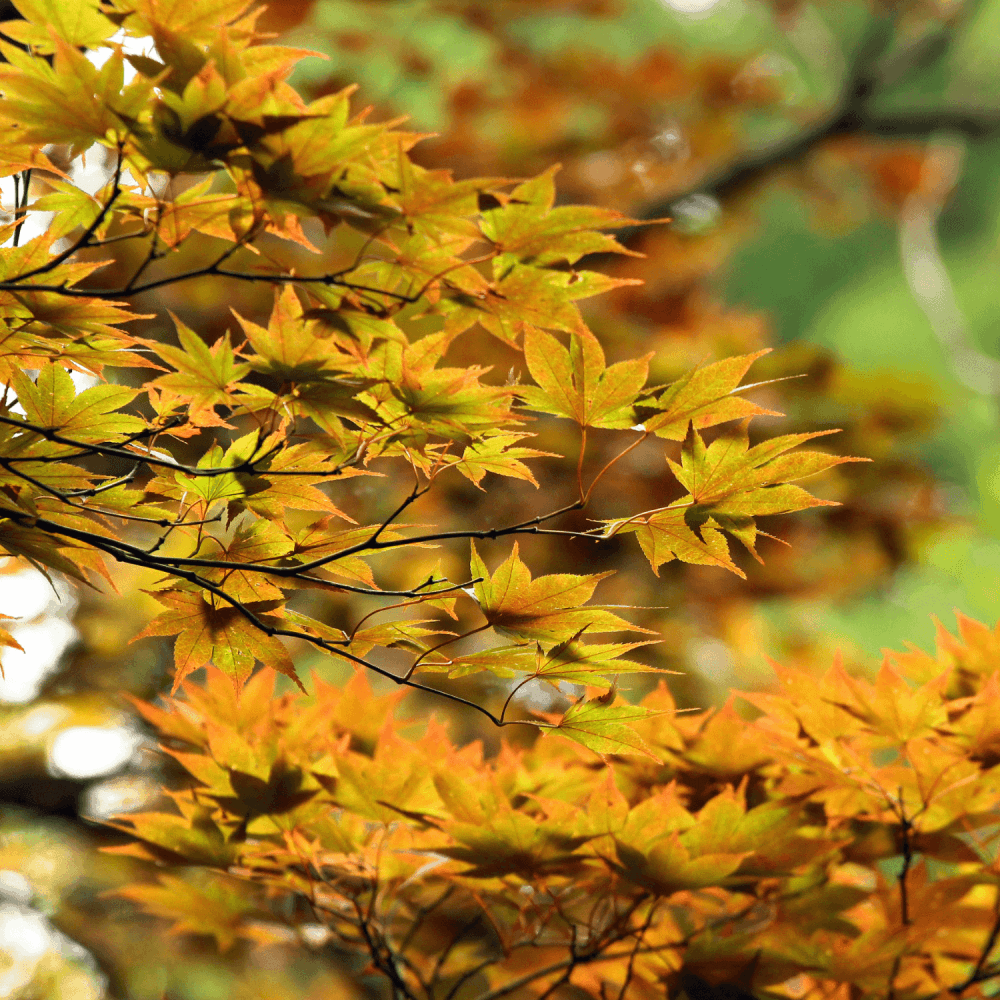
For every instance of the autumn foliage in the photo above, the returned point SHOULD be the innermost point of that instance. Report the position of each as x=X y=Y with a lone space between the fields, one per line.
x=396 y=334
x=841 y=844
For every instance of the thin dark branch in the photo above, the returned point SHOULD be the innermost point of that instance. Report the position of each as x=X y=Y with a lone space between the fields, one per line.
x=22 y=185
x=421 y=914
x=137 y=557
x=249 y=467
x=854 y=113
x=906 y=826
x=445 y=952
x=382 y=957
x=639 y=937
x=980 y=972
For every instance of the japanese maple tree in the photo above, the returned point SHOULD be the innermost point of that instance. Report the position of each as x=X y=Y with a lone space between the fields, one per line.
x=259 y=474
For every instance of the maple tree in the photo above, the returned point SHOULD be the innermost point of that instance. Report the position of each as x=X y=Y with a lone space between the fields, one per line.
x=263 y=479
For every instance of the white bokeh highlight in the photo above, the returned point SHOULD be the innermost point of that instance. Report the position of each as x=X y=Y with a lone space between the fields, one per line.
x=91 y=751
x=40 y=613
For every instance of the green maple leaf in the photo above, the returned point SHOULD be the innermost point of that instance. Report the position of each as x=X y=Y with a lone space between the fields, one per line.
x=211 y=489
x=447 y=401
x=43 y=551
x=665 y=535
x=270 y=493
x=393 y=635
x=435 y=204
x=71 y=206
x=527 y=229
x=729 y=483
x=289 y=348
x=196 y=208
x=528 y=295
x=606 y=729
x=593 y=663
x=246 y=541
x=496 y=838
x=668 y=866
x=282 y=789
x=577 y=384
x=70 y=101
x=318 y=541
x=729 y=467
x=501 y=661
x=195 y=20
x=167 y=838
x=549 y=608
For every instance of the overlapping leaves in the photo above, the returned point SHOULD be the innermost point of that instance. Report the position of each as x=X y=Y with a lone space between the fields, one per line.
x=801 y=861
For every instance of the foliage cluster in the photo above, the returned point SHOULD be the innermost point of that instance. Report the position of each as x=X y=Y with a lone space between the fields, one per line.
x=842 y=844
x=777 y=137
x=346 y=376
x=257 y=476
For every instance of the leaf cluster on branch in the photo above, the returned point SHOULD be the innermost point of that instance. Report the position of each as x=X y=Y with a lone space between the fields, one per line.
x=842 y=844
x=348 y=378
x=242 y=472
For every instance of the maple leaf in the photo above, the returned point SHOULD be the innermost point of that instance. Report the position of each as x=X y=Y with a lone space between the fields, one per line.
x=216 y=907
x=669 y=866
x=577 y=383
x=704 y=397
x=246 y=540
x=525 y=295
x=71 y=101
x=572 y=661
x=527 y=229
x=222 y=636
x=282 y=789
x=501 y=661
x=665 y=535
x=731 y=482
x=318 y=541
x=6 y=639
x=606 y=729
x=289 y=348
x=188 y=836
x=436 y=204
x=198 y=20
x=499 y=454
x=53 y=402
x=549 y=608
x=273 y=491
x=205 y=377
x=393 y=635
x=75 y=21
x=42 y=551
x=496 y=838
x=591 y=663
x=72 y=207
x=446 y=401
x=209 y=489
x=223 y=216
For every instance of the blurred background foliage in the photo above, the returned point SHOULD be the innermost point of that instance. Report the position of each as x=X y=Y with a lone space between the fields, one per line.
x=831 y=170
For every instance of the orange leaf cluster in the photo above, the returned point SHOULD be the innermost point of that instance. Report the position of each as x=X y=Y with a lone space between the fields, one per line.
x=843 y=843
